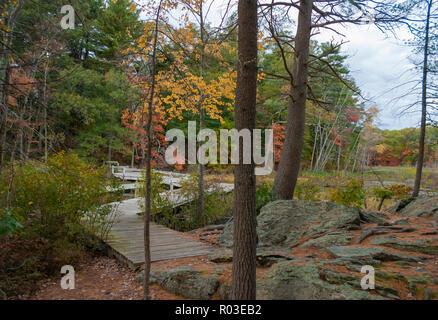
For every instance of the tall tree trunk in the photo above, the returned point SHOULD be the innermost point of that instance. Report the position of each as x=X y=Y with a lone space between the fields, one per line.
x=201 y=168
x=420 y=159
x=46 y=139
x=147 y=214
x=245 y=236
x=11 y=13
x=5 y=114
x=289 y=166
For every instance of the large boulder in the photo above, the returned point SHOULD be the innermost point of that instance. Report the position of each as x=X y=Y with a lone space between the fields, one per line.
x=373 y=217
x=425 y=207
x=289 y=281
x=289 y=223
x=184 y=281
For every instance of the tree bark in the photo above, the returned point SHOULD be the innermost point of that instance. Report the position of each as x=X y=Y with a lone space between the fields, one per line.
x=245 y=236
x=5 y=55
x=420 y=160
x=289 y=166
x=201 y=168
x=5 y=114
x=147 y=214
x=132 y=155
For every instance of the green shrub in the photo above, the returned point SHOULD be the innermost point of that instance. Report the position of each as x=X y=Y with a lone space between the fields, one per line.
x=54 y=207
x=381 y=193
x=217 y=205
x=394 y=191
x=56 y=199
x=9 y=223
x=159 y=201
x=308 y=190
x=399 y=191
x=185 y=217
x=264 y=195
x=353 y=194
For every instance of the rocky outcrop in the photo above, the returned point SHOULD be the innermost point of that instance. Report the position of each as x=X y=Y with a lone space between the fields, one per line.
x=185 y=282
x=375 y=253
x=373 y=217
x=317 y=250
x=265 y=256
x=421 y=245
x=289 y=281
x=425 y=207
x=301 y=223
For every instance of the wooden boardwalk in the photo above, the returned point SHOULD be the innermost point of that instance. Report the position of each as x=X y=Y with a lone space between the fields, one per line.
x=126 y=238
x=133 y=174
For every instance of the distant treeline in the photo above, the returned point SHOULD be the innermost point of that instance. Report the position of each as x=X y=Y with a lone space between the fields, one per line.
x=400 y=147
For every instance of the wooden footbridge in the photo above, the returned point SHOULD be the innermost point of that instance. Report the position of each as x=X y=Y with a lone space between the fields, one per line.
x=126 y=236
x=132 y=174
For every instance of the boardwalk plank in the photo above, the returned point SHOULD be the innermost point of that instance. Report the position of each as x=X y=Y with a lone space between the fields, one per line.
x=126 y=239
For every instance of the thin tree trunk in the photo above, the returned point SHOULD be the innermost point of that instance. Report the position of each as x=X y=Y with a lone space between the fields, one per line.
x=11 y=181
x=245 y=235
x=355 y=145
x=133 y=155
x=380 y=204
x=5 y=113
x=147 y=214
x=110 y=151
x=46 y=140
x=420 y=159
x=5 y=55
x=289 y=166
x=21 y=131
x=314 y=144
x=201 y=168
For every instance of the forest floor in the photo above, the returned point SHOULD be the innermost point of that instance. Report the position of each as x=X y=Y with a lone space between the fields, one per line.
x=101 y=278
x=105 y=278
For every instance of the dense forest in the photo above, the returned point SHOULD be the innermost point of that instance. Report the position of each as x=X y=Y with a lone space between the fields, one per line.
x=81 y=90
x=91 y=87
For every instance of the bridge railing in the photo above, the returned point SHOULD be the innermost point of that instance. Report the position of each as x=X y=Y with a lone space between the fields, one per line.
x=125 y=171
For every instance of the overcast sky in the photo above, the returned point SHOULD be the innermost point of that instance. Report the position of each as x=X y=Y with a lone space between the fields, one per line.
x=378 y=62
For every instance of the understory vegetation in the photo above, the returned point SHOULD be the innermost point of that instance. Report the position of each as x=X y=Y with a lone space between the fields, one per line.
x=218 y=205
x=376 y=188
x=53 y=209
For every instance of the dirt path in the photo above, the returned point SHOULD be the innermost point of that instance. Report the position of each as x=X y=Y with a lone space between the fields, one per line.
x=100 y=278
x=105 y=278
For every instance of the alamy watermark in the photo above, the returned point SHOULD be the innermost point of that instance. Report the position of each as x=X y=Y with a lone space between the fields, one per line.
x=207 y=152
x=68 y=281
x=68 y=21
x=367 y=282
